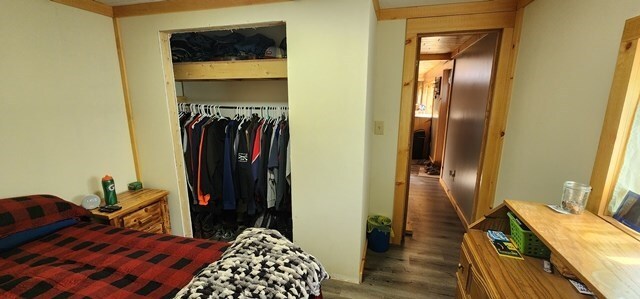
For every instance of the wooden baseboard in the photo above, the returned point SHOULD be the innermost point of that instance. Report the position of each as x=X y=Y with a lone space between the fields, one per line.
x=364 y=258
x=454 y=204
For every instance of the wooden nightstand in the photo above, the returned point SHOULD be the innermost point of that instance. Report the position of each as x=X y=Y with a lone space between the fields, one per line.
x=144 y=210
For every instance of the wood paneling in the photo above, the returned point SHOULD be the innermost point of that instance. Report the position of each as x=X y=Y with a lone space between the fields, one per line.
x=623 y=103
x=89 y=5
x=438 y=44
x=482 y=7
x=435 y=25
x=170 y=6
x=127 y=98
x=224 y=70
x=602 y=256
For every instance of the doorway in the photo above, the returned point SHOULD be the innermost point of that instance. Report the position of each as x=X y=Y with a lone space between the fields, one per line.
x=454 y=80
x=491 y=147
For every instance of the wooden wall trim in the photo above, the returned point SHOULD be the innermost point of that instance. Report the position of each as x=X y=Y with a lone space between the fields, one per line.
x=631 y=29
x=376 y=6
x=461 y=23
x=443 y=56
x=623 y=102
x=448 y=9
x=523 y=3
x=127 y=97
x=467 y=44
x=170 y=6
x=89 y=5
x=497 y=127
x=497 y=115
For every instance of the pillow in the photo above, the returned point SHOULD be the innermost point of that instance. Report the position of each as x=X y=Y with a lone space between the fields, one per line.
x=22 y=213
x=19 y=238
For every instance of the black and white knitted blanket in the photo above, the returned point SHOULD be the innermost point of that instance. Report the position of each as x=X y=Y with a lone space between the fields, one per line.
x=261 y=263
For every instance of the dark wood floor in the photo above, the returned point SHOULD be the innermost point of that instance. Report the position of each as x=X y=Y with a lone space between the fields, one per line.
x=425 y=266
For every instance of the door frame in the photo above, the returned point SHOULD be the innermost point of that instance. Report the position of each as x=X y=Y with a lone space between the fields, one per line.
x=509 y=23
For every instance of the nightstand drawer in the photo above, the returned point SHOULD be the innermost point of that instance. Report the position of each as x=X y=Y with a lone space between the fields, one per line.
x=144 y=218
x=153 y=228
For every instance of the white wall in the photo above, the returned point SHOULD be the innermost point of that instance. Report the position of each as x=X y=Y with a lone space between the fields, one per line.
x=368 y=132
x=63 y=123
x=387 y=79
x=563 y=76
x=328 y=42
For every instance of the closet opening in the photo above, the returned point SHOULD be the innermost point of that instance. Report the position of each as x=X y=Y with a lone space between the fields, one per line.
x=230 y=125
x=454 y=83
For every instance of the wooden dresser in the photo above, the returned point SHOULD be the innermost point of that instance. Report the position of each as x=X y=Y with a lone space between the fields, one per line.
x=603 y=257
x=144 y=210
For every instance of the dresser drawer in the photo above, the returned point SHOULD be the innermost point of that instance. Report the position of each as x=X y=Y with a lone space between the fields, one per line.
x=145 y=218
x=464 y=266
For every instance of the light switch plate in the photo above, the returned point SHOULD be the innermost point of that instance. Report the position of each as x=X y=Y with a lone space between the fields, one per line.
x=378 y=127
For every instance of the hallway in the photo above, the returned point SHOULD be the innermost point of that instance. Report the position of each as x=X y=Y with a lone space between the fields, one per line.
x=425 y=267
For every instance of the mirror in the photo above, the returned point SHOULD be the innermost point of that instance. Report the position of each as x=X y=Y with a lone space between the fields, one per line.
x=616 y=169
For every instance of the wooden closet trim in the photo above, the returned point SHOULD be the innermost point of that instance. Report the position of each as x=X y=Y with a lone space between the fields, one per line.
x=89 y=5
x=169 y=6
x=510 y=24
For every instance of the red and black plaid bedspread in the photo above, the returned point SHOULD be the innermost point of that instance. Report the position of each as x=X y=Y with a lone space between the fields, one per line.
x=98 y=261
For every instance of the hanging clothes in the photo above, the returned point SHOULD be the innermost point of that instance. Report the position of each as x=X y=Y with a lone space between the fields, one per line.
x=237 y=169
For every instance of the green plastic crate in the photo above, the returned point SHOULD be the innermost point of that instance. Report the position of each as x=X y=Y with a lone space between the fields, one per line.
x=527 y=242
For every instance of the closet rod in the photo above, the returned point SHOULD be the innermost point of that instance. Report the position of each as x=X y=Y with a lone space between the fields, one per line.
x=245 y=107
x=257 y=107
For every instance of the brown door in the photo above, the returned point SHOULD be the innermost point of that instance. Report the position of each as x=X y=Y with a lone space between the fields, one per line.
x=470 y=93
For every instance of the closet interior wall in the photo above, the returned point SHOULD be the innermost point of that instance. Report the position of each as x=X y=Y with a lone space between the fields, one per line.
x=234 y=108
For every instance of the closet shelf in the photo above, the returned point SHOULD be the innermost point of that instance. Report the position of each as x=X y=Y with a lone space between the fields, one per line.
x=231 y=70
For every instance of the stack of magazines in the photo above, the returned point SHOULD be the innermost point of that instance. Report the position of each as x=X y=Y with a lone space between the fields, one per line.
x=503 y=245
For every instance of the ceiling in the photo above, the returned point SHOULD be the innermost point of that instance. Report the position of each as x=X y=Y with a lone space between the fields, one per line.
x=427 y=65
x=409 y=3
x=442 y=44
x=439 y=45
x=383 y=3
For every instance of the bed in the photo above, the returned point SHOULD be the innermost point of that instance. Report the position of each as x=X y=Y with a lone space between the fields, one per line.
x=48 y=249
